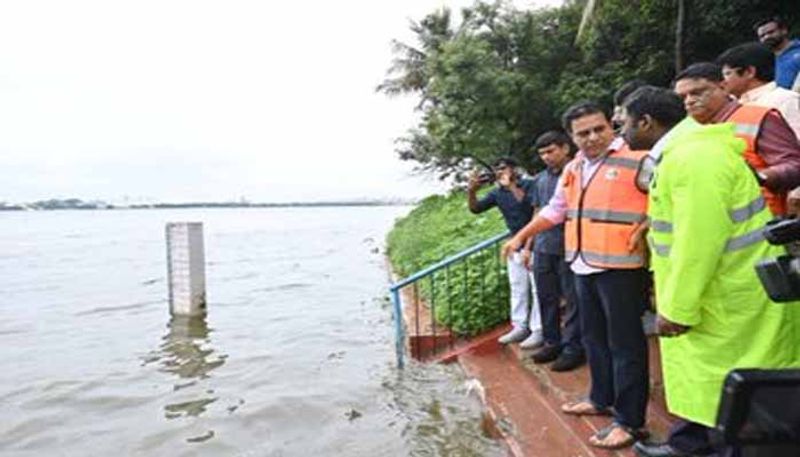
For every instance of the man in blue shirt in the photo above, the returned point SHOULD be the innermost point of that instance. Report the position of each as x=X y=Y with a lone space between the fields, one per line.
x=512 y=198
x=552 y=274
x=774 y=33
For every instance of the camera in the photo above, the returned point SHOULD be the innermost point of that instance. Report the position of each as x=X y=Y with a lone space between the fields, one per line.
x=781 y=277
x=486 y=177
x=757 y=413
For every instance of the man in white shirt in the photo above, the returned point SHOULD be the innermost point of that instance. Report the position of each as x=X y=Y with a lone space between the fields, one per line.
x=749 y=72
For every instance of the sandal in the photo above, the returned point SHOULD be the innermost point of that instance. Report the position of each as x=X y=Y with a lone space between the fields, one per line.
x=584 y=408
x=617 y=436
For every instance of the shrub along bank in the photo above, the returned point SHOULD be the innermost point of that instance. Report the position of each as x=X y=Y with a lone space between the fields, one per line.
x=469 y=297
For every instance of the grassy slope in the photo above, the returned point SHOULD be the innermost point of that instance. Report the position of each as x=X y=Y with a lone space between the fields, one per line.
x=441 y=226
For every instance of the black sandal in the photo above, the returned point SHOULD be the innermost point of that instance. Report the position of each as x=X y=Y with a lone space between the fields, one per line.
x=634 y=435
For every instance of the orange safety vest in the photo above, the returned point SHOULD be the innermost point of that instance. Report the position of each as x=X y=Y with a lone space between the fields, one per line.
x=748 y=120
x=602 y=216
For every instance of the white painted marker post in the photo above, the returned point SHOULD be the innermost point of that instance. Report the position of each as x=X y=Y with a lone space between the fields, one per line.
x=186 y=270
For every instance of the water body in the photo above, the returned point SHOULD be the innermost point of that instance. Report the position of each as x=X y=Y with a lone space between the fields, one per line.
x=294 y=358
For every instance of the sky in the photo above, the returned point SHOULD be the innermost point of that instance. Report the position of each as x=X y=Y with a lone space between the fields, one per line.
x=192 y=100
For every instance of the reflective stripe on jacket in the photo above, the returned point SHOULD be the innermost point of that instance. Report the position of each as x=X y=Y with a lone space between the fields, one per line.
x=748 y=120
x=602 y=215
x=707 y=216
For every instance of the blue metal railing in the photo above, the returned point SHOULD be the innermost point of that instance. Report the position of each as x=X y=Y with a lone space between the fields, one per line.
x=430 y=272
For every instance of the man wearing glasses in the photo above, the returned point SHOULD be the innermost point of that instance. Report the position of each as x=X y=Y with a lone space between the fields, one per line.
x=749 y=73
x=772 y=148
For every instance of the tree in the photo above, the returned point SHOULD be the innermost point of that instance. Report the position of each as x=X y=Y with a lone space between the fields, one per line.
x=485 y=92
x=410 y=64
x=490 y=85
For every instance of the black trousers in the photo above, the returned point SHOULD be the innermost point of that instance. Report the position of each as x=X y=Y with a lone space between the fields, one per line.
x=554 y=279
x=610 y=308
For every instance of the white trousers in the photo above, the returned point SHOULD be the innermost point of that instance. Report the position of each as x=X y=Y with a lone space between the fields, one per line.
x=524 y=304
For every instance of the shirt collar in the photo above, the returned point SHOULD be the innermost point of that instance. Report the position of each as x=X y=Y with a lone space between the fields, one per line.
x=753 y=95
x=615 y=145
x=725 y=112
x=792 y=44
x=658 y=148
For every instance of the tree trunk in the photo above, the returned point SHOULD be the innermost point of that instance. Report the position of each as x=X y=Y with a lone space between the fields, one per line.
x=586 y=18
x=679 y=27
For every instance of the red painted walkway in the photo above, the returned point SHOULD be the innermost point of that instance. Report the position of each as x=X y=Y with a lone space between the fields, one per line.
x=524 y=400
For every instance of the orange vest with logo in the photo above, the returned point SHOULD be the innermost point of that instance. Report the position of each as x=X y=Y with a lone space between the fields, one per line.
x=748 y=120
x=602 y=216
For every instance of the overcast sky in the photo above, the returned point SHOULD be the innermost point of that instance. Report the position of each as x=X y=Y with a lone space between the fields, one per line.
x=187 y=100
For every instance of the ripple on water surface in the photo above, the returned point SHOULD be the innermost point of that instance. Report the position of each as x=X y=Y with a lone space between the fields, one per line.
x=295 y=357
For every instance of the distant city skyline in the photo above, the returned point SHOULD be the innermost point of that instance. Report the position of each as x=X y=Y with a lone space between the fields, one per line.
x=176 y=101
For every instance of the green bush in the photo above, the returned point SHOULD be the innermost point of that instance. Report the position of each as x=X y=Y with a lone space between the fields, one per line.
x=470 y=297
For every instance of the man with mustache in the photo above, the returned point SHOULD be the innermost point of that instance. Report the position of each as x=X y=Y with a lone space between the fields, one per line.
x=705 y=237
x=772 y=148
x=774 y=33
x=603 y=210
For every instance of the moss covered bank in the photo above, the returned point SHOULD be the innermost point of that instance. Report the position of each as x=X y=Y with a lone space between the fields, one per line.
x=469 y=297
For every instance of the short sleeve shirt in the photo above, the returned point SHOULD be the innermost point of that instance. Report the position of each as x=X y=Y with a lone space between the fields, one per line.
x=516 y=213
x=549 y=241
x=787 y=65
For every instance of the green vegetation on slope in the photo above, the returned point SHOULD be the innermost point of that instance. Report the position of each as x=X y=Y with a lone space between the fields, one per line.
x=490 y=78
x=469 y=297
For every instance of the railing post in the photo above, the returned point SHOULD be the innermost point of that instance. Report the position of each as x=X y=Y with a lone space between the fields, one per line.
x=433 y=310
x=399 y=336
x=416 y=349
x=414 y=280
x=500 y=296
x=449 y=306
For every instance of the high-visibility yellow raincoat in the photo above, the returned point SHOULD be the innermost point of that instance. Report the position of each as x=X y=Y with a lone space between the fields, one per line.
x=706 y=214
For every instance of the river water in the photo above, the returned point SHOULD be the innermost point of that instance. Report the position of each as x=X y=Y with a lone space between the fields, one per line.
x=294 y=358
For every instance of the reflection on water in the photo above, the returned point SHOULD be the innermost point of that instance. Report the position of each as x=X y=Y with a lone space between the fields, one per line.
x=186 y=352
x=92 y=367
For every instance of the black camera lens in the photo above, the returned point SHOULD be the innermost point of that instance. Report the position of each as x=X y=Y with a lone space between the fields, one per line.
x=486 y=178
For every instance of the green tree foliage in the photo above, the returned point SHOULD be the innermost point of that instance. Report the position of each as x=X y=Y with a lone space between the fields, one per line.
x=487 y=87
x=493 y=78
x=468 y=297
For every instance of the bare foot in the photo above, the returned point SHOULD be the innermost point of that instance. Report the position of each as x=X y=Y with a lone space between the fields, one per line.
x=617 y=438
x=583 y=408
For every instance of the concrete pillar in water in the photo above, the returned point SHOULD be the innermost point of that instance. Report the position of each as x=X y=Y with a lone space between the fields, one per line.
x=186 y=270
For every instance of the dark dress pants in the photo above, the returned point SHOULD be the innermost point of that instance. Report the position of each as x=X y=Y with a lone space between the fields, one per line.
x=554 y=279
x=610 y=308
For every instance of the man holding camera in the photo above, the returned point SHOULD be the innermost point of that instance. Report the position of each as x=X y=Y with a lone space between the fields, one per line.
x=554 y=279
x=512 y=197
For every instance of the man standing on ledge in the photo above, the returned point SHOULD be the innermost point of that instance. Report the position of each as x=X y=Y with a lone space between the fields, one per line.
x=604 y=210
x=706 y=219
x=554 y=279
x=513 y=196
x=772 y=148
x=749 y=72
